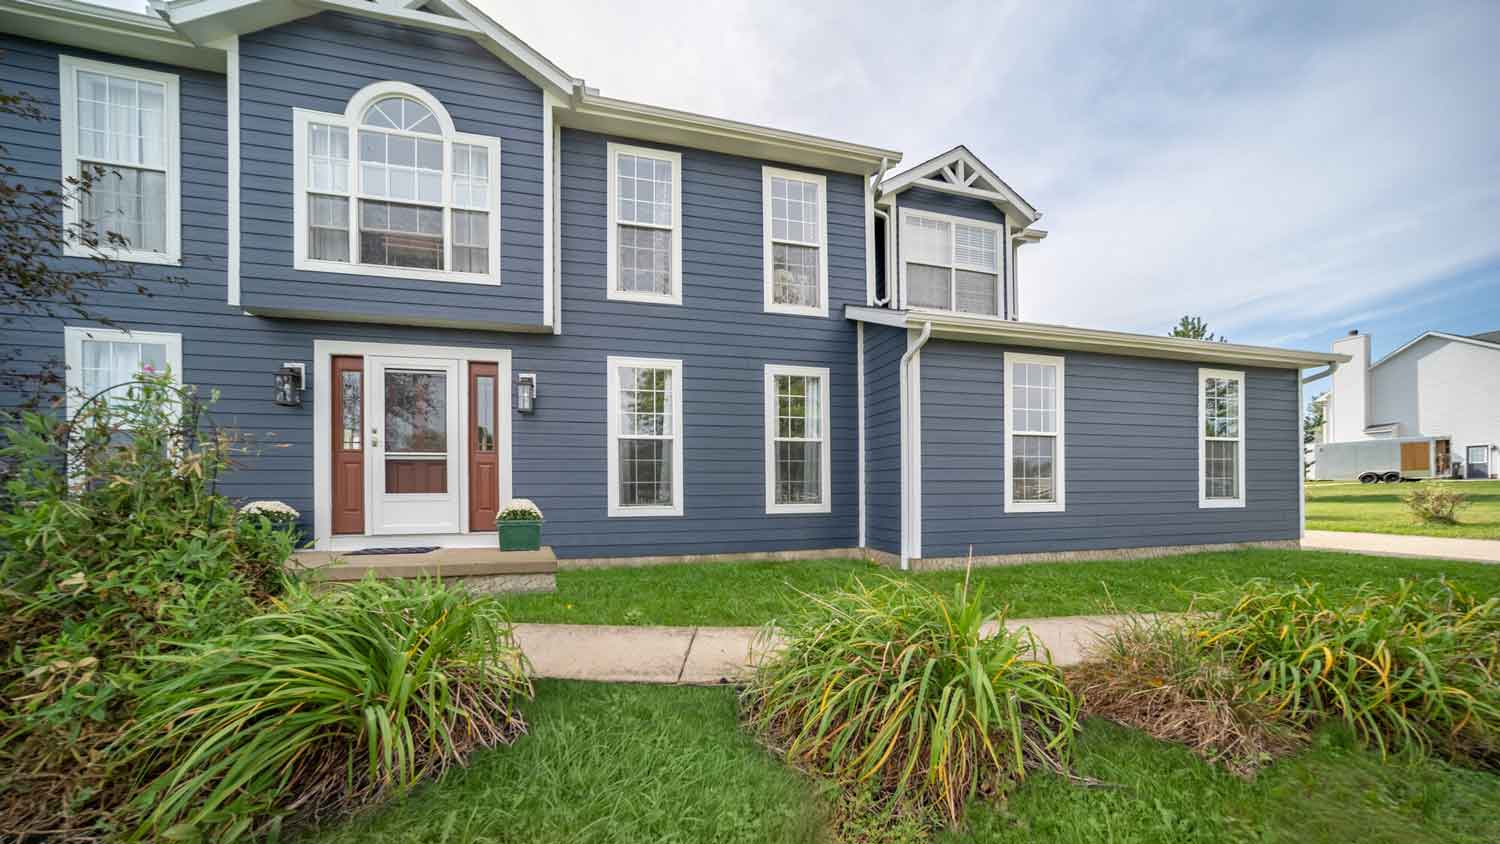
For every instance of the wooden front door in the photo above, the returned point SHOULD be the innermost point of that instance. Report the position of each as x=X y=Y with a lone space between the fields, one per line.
x=484 y=451
x=348 y=377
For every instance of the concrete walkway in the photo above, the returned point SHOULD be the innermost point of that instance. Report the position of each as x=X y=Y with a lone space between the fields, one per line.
x=1397 y=545
x=714 y=655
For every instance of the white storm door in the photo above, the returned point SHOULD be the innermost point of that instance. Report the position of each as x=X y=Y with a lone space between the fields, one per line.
x=414 y=446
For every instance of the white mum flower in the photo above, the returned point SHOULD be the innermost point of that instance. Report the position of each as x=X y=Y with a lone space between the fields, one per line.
x=522 y=504
x=270 y=508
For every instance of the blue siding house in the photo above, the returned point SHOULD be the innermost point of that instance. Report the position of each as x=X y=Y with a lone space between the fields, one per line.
x=680 y=335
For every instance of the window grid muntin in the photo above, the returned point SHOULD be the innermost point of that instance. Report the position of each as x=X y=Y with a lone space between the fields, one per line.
x=1222 y=398
x=798 y=438
x=132 y=167
x=645 y=436
x=1034 y=428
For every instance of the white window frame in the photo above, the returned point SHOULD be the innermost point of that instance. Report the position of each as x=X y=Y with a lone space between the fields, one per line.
x=612 y=238
x=825 y=453
x=768 y=242
x=1059 y=458
x=349 y=121
x=953 y=265
x=74 y=337
x=1204 y=502
x=612 y=408
x=68 y=68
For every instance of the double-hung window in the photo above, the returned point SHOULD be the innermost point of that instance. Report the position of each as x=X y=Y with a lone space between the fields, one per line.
x=645 y=437
x=120 y=136
x=795 y=222
x=1034 y=433
x=101 y=358
x=951 y=264
x=1221 y=438
x=645 y=225
x=389 y=188
x=797 y=455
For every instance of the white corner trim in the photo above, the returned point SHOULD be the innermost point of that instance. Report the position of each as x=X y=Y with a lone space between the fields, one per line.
x=67 y=73
x=1302 y=458
x=869 y=224
x=824 y=504
x=859 y=362
x=557 y=276
x=611 y=402
x=612 y=237
x=232 y=66
x=767 y=173
x=322 y=376
x=1059 y=459
x=74 y=335
x=349 y=121
x=1204 y=502
x=549 y=212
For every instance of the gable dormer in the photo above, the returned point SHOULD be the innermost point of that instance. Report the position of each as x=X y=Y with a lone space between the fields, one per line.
x=949 y=229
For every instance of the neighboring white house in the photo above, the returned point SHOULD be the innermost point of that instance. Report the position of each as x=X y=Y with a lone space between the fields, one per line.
x=1445 y=386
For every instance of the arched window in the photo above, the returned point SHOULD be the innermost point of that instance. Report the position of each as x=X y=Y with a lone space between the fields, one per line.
x=390 y=188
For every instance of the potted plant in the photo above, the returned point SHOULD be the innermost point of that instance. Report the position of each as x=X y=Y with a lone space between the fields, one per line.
x=519 y=525
x=279 y=514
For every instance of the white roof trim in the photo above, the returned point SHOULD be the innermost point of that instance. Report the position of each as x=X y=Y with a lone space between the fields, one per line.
x=1458 y=338
x=979 y=329
x=115 y=31
x=922 y=176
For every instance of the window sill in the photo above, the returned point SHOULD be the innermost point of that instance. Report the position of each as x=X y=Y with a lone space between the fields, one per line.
x=797 y=509
x=308 y=265
x=618 y=512
x=128 y=255
x=1220 y=503
x=1035 y=507
x=647 y=298
x=796 y=310
x=923 y=309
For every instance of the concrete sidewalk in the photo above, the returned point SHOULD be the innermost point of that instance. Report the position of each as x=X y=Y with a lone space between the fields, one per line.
x=714 y=655
x=1400 y=545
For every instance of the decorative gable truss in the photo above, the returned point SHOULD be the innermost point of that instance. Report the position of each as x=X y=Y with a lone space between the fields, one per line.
x=961 y=173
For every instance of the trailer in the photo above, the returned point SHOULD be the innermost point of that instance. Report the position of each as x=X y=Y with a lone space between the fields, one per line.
x=1376 y=461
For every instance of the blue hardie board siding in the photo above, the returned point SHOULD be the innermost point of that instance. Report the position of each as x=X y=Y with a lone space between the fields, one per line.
x=923 y=199
x=1131 y=445
x=720 y=334
x=318 y=63
x=884 y=347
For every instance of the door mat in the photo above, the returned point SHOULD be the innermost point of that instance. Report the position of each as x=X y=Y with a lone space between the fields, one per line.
x=368 y=551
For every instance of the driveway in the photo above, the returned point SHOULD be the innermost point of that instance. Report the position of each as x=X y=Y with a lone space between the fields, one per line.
x=1400 y=545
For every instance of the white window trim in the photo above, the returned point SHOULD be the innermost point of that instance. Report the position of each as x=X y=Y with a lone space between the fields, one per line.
x=1204 y=502
x=826 y=452
x=1000 y=258
x=74 y=335
x=350 y=122
x=612 y=408
x=771 y=307
x=1059 y=460
x=67 y=69
x=612 y=238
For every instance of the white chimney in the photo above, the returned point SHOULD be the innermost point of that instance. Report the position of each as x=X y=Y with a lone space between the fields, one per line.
x=1349 y=398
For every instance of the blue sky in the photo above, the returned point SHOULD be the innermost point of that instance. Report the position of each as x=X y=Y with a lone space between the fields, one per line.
x=1286 y=170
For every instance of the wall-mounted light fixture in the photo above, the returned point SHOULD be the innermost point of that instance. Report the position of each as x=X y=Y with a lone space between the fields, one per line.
x=291 y=378
x=526 y=392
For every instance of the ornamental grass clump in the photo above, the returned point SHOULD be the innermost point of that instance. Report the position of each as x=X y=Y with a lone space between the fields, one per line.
x=922 y=701
x=325 y=704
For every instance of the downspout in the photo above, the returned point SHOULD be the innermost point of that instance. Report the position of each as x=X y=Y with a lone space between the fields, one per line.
x=882 y=301
x=909 y=428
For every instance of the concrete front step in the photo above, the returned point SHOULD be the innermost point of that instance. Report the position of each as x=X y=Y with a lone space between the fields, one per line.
x=481 y=570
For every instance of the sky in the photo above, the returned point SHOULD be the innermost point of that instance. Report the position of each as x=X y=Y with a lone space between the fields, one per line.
x=1286 y=170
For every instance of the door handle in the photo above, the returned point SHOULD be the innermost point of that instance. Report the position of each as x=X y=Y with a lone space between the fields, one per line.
x=375 y=437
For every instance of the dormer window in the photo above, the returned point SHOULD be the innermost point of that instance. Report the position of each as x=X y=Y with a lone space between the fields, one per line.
x=951 y=263
x=391 y=189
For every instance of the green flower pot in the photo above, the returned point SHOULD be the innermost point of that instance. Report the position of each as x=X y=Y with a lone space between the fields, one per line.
x=520 y=535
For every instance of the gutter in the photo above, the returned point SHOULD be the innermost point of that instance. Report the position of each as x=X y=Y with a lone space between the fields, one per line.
x=910 y=452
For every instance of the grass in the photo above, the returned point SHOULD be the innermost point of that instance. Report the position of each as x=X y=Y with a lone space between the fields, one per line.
x=753 y=593
x=608 y=764
x=1377 y=508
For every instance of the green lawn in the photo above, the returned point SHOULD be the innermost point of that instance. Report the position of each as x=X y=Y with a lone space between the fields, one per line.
x=1377 y=508
x=754 y=593
x=669 y=764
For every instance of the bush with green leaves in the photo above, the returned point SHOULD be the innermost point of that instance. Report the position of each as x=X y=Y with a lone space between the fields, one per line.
x=326 y=703
x=113 y=544
x=921 y=700
x=1435 y=503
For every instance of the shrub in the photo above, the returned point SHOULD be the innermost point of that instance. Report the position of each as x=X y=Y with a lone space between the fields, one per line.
x=896 y=690
x=113 y=543
x=322 y=705
x=1435 y=503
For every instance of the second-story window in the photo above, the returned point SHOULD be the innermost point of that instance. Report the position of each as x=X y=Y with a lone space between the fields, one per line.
x=390 y=188
x=645 y=225
x=795 y=222
x=950 y=263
